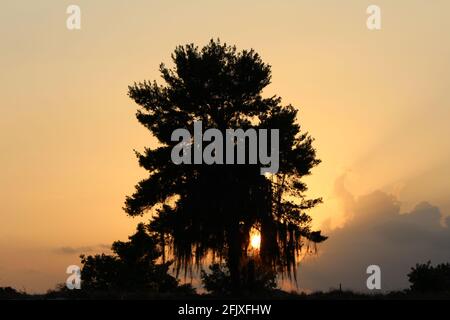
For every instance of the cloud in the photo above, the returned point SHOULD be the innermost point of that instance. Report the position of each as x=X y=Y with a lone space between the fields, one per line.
x=376 y=232
x=68 y=250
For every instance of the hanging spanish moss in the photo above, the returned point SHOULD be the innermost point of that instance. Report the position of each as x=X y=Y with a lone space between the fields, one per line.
x=218 y=206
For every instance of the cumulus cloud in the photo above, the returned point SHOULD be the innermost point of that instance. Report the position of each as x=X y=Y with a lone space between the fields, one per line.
x=377 y=232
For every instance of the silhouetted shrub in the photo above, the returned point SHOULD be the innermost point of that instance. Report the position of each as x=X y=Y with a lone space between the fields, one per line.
x=254 y=279
x=132 y=269
x=426 y=278
x=10 y=293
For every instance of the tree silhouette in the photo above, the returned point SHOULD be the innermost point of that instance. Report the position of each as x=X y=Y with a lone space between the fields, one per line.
x=132 y=268
x=255 y=278
x=7 y=293
x=426 y=278
x=200 y=209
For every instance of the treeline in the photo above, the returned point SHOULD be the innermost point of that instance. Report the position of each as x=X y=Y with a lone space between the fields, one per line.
x=137 y=269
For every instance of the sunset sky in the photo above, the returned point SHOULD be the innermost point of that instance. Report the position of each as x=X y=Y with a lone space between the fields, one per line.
x=376 y=102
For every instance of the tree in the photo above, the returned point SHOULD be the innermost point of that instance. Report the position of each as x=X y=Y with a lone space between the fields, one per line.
x=132 y=268
x=426 y=278
x=201 y=209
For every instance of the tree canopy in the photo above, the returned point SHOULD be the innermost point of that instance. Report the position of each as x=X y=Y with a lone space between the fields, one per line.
x=210 y=209
x=133 y=267
x=425 y=278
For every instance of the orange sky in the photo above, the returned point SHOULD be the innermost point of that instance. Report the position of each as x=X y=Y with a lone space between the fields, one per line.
x=376 y=101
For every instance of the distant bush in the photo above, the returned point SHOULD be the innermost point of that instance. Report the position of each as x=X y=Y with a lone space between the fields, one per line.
x=425 y=278
x=133 y=267
x=133 y=271
x=10 y=293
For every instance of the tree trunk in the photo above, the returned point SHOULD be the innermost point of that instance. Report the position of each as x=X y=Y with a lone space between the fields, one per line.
x=234 y=258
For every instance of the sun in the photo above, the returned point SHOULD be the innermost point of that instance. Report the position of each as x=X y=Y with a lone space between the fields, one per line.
x=255 y=240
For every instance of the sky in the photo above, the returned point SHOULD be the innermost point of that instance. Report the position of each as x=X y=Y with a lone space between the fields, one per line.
x=376 y=102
